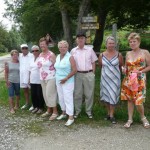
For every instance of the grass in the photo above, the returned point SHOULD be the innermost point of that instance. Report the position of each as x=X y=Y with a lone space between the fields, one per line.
x=99 y=110
x=3 y=54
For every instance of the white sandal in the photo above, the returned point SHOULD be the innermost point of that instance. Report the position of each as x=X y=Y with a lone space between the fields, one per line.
x=145 y=123
x=128 y=124
x=53 y=117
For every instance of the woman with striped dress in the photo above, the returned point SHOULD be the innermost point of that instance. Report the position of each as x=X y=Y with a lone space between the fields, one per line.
x=110 y=62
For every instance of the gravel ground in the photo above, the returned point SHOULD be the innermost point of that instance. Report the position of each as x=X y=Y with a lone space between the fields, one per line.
x=24 y=131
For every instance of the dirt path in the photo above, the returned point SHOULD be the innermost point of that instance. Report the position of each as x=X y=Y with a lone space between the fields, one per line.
x=25 y=131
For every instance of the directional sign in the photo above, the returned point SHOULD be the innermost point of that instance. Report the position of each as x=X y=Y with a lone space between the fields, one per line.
x=89 y=19
x=90 y=26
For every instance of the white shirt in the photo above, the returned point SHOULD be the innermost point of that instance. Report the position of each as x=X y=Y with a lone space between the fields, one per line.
x=34 y=71
x=24 y=67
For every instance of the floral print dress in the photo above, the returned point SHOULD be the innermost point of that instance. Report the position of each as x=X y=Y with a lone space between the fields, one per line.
x=138 y=94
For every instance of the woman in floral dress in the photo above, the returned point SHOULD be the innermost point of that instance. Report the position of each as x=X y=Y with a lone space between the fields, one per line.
x=134 y=84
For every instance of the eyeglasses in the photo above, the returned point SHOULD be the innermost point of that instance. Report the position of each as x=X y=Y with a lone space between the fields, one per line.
x=24 y=47
x=35 y=51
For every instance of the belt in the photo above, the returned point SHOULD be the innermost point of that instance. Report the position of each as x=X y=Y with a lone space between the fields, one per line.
x=85 y=71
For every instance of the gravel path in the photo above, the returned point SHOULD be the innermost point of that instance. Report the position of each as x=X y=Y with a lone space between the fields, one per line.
x=24 y=131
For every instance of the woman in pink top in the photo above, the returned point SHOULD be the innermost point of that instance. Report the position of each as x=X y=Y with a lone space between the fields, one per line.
x=47 y=77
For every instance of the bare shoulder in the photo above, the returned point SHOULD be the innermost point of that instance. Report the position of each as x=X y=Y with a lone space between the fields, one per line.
x=52 y=54
x=146 y=52
x=100 y=55
x=120 y=54
x=128 y=52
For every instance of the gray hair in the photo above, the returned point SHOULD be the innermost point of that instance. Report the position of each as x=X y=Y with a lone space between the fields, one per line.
x=35 y=47
x=109 y=37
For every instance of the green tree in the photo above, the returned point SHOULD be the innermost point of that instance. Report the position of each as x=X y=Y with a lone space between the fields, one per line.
x=62 y=18
x=133 y=14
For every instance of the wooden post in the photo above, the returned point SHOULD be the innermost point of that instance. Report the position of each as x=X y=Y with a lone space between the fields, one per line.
x=114 y=34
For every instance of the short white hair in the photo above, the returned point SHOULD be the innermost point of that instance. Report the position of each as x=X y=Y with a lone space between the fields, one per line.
x=35 y=47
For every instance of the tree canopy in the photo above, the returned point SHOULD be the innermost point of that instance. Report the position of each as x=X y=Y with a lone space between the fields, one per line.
x=62 y=18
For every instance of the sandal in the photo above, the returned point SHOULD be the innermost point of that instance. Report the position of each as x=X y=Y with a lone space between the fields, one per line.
x=145 y=123
x=53 y=117
x=128 y=124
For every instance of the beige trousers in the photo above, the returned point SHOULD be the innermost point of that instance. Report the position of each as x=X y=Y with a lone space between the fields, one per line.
x=49 y=92
x=84 y=84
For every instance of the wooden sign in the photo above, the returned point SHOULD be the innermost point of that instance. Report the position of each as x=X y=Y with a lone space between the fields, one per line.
x=90 y=26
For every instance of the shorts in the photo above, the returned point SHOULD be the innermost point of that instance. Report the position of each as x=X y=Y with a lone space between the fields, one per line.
x=24 y=85
x=14 y=89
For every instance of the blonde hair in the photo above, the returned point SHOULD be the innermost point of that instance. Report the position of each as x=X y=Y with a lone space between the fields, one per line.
x=134 y=36
x=109 y=37
x=63 y=42
x=43 y=39
x=14 y=52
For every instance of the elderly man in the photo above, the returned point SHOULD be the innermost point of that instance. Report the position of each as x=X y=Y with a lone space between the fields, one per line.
x=85 y=59
x=24 y=59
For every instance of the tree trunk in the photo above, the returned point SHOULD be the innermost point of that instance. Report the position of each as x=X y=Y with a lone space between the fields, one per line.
x=83 y=11
x=100 y=32
x=66 y=27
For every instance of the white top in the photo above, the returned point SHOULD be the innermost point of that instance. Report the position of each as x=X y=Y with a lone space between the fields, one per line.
x=34 y=71
x=24 y=67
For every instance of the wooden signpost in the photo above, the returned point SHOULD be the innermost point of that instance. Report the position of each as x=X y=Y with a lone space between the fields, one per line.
x=89 y=23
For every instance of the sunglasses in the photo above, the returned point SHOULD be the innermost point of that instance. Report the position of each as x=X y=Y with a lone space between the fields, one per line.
x=25 y=48
x=35 y=51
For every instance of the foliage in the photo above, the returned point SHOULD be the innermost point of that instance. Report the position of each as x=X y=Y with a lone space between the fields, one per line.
x=36 y=18
x=10 y=39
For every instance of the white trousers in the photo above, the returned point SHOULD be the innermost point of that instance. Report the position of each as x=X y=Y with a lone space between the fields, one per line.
x=65 y=95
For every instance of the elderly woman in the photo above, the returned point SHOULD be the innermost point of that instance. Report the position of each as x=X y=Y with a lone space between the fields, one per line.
x=47 y=76
x=65 y=69
x=110 y=62
x=34 y=80
x=12 y=77
x=134 y=84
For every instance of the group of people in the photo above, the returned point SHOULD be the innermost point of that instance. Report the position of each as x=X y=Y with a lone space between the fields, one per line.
x=71 y=76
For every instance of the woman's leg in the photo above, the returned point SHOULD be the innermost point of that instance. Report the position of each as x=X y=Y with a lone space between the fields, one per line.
x=130 y=110
x=130 y=114
x=17 y=93
x=140 y=109
x=112 y=108
x=68 y=89
x=108 y=108
x=49 y=110
x=61 y=97
x=11 y=104
x=34 y=95
x=51 y=95
x=40 y=99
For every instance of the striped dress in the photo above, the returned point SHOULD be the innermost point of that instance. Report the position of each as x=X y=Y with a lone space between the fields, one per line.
x=110 y=80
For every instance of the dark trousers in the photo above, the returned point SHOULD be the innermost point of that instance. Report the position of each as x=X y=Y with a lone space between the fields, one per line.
x=37 y=96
